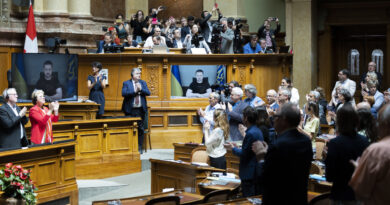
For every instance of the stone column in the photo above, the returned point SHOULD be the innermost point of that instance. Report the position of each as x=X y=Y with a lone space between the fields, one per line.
x=301 y=23
x=79 y=8
x=229 y=8
x=56 y=7
x=132 y=6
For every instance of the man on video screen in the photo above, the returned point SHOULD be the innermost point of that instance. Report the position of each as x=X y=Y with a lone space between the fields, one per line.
x=200 y=87
x=49 y=83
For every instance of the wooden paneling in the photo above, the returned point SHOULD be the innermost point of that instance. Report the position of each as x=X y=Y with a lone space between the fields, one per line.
x=107 y=8
x=53 y=169
x=5 y=64
x=104 y=148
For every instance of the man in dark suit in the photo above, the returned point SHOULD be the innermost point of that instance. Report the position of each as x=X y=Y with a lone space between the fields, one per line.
x=287 y=162
x=371 y=70
x=235 y=113
x=12 y=121
x=268 y=34
x=134 y=103
x=247 y=169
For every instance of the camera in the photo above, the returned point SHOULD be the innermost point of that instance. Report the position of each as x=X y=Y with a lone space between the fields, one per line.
x=196 y=39
x=104 y=28
x=54 y=43
x=217 y=28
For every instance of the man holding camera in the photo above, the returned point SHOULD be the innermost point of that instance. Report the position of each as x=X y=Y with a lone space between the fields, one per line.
x=268 y=34
x=227 y=35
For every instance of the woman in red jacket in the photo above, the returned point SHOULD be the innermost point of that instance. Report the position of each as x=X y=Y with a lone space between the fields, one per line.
x=41 y=118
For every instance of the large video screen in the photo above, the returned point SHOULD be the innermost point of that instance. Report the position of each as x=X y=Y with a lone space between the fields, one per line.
x=55 y=74
x=196 y=81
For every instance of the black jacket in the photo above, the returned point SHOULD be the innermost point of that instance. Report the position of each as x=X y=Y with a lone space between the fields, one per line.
x=10 y=128
x=286 y=169
x=261 y=33
x=338 y=166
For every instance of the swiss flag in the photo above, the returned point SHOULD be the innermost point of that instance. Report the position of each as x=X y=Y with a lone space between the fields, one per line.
x=31 y=43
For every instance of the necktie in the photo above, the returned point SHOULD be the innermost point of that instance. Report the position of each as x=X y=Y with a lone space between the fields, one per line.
x=137 y=96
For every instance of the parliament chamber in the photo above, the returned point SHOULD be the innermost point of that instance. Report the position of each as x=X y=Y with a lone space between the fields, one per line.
x=88 y=148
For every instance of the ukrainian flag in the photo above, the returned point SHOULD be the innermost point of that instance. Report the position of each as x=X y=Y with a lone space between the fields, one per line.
x=19 y=75
x=176 y=89
x=220 y=75
x=72 y=76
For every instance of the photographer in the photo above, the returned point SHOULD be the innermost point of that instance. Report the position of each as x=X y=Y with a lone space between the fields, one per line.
x=170 y=26
x=235 y=25
x=195 y=40
x=268 y=34
x=122 y=28
x=225 y=94
x=227 y=35
x=153 y=14
x=205 y=24
x=137 y=23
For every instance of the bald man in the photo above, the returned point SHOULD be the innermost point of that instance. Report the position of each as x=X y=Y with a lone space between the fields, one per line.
x=372 y=69
x=371 y=178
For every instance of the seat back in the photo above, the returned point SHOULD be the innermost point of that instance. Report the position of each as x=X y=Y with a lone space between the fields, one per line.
x=315 y=169
x=216 y=196
x=319 y=149
x=166 y=200
x=199 y=154
x=322 y=199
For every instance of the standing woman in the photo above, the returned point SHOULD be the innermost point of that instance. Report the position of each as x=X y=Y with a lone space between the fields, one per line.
x=122 y=28
x=137 y=23
x=96 y=83
x=41 y=118
x=215 y=140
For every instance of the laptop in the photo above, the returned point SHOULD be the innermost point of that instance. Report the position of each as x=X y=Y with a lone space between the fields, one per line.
x=160 y=49
x=284 y=49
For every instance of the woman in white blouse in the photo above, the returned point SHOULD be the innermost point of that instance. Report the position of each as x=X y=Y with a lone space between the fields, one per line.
x=215 y=140
x=286 y=83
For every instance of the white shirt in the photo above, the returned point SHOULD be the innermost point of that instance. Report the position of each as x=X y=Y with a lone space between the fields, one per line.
x=348 y=84
x=294 y=96
x=17 y=114
x=149 y=42
x=214 y=143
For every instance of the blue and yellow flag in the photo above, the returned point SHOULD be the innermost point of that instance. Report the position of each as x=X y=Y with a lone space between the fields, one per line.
x=18 y=76
x=72 y=76
x=220 y=75
x=176 y=89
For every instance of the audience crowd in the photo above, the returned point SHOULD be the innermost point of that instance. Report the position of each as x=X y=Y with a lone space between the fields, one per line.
x=214 y=35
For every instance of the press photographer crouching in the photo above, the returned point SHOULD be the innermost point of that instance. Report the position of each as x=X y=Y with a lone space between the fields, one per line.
x=195 y=40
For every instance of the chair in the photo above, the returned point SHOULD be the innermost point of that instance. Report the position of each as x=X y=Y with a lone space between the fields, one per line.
x=315 y=169
x=199 y=154
x=218 y=195
x=166 y=200
x=322 y=199
x=147 y=131
x=319 y=149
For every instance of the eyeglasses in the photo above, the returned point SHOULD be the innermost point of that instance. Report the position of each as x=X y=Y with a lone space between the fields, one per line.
x=13 y=94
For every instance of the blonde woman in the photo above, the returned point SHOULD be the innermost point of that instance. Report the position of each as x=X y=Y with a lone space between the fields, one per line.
x=215 y=140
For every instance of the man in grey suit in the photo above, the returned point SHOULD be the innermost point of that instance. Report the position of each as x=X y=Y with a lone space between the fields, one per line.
x=235 y=111
x=227 y=35
x=12 y=121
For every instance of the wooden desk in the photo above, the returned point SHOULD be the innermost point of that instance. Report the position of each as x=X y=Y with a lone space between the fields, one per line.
x=72 y=110
x=169 y=174
x=320 y=187
x=104 y=147
x=53 y=170
x=185 y=198
x=182 y=151
x=205 y=189
x=139 y=50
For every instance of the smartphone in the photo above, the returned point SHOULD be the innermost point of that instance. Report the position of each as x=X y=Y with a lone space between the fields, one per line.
x=216 y=5
x=274 y=19
x=118 y=21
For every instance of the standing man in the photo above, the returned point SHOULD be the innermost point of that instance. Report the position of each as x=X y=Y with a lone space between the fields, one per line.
x=134 y=103
x=346 y=83
x=372 y=71
x=235 y=111
x=227 y=36
x=268 y=34
x=12 y=121
x=291 y=151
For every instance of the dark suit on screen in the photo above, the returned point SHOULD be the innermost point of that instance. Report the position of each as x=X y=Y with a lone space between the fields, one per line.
x=248 y=162
x=10 y=136
x=129 y=94
x=286 y=169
